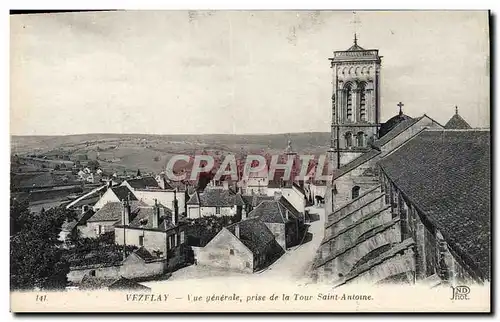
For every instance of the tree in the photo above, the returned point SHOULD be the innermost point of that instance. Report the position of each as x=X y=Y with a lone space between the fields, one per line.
x=36 y=255
x=93 y=165
x=138 y=172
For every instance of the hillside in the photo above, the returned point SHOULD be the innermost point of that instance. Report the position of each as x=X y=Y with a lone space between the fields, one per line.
x=150 y=153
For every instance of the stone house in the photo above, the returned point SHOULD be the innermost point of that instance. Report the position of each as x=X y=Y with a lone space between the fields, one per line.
x=115 y=194
x=293 y=192
x=246 y=246
x=215 y=201
x=282 y=219
x=157 y=229
x=105 y=219
x=149 y=189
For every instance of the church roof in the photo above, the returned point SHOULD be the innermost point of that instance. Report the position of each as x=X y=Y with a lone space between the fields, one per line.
x=392 y=123
x=457 y=122
x=355 y=47
x=446 y=175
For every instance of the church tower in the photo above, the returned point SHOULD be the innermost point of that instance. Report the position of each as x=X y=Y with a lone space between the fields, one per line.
x=355 y=102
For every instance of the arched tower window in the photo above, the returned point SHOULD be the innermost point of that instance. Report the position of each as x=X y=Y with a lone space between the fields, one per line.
x=360 y=138
x=362 y=102
x=348 y=140
x=355 y=192
x=348 y=95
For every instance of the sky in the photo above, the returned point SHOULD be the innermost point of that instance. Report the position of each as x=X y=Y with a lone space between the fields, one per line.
x=235 y=72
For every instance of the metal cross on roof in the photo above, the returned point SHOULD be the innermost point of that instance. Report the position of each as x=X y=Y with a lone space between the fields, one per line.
x=400 y=108
x=355 y=21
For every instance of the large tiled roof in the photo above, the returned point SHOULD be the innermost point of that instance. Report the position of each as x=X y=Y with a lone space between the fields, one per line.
x=112 y=211
x=254 y=234
x=214 y=197
x=457 y=122
x=446 y=174
x=143 y=183
x=123 y=193
x=255 y=200
x=275 y=211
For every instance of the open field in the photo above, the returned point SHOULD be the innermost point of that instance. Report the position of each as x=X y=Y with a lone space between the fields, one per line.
x=150 y=153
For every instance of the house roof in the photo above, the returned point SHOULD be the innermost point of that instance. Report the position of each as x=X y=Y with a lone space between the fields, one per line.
x=457 y=122
x=112 y=211
x=123 y=192
x=274 y=211
x=91 y=282
x=144 y=218
x=143 y=183
x=214 y=197
x=126 y=284
x=446 y=175
x=82 y=218
x=144 y=254
x=254 y=234
x=255 y=200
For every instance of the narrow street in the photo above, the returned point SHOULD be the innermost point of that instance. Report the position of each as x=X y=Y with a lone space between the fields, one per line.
x=292 y=266
x=295 y=263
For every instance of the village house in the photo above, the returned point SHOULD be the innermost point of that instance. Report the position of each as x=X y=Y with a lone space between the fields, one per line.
x=149 y=189
x=282 y=219
x=115 y=194
x=72 y=228
x=215 y=201
x=246 y=246
x=105 y=218
x=156 y=228
x=292 y=191
x=87 y=200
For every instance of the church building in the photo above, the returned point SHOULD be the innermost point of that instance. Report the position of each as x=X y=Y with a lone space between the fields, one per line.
x=410 y=198
x=355 y=102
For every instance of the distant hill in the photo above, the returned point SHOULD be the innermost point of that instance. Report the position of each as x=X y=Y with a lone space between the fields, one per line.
x=129 y=152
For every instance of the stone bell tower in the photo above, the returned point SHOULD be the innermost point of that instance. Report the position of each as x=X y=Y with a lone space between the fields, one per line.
x=355 y=102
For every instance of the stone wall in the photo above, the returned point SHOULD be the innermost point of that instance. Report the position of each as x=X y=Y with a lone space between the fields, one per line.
x=226 y=251
x=339 y=264
x=345 y=218
x=132 y=267
x=343 y=237
x=279 y=233
x=152 y=240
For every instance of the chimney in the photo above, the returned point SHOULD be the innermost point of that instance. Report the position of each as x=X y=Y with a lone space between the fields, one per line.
x=277 y=195
x=244 y=214
x=237 y=231
x=225 y=184
x=156 y=214
x=175 y=210
x=125 y=213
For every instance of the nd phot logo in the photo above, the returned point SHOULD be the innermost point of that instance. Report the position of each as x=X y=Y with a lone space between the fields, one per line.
x=460 y=293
